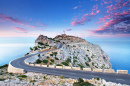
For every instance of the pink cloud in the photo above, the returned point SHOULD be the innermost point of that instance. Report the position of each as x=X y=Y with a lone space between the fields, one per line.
x=83 y=19
x=16 y=20
x=98 y=11
x=42 y=24
x=21 y=29
x=75 y=7
x=112 y=27
x=68 y=29
x=107 y=2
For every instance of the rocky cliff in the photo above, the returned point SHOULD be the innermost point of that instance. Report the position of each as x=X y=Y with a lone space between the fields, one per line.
x=75 y=52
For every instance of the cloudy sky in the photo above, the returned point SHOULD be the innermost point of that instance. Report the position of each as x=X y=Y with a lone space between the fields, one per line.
x=83 y=18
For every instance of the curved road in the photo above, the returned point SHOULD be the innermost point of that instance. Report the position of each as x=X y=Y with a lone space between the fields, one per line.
x=118 y=78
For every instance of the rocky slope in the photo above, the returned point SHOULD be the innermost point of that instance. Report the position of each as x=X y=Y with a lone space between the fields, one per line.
x=75 y=52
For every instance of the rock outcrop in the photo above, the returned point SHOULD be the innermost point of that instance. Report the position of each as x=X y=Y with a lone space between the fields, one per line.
x=76 y=52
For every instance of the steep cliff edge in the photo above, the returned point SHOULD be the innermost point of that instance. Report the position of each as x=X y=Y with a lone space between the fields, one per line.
x=75 y=51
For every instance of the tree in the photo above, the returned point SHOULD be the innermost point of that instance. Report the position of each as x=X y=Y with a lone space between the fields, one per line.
x=38 y=61
x=80 y=80
x=31 y=48
x=38 y=55
x=45 y=61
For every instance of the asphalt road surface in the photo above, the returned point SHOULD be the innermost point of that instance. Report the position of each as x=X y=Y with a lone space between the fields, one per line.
x=118 y=78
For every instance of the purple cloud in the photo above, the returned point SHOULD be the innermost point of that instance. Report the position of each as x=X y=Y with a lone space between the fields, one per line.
x=21 y=29
x=68 y=29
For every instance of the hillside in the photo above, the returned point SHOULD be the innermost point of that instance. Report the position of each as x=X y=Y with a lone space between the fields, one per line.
x=75 y=52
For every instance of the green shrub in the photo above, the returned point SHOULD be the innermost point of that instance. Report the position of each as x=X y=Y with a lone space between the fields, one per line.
x=51 y=55
x=2 y=79
x=46 y=45
x=22 y=76
x=31 y=48
x=86 y=55
x=32 y=81
x=68 y=60
x=47 y=57
x=82 y=83
x=51 y=63
x=38 y=61
x=58 y=65
x=89 y=59
x=74 y=46
x=61 y=77
x=75 y=57
x=57 y=40
x=75 y=61
x=38 y=55
x=26 y=54
x=97 y=78
x=52 y=60
x=81 y=66
x=87 y=64
x=64 y=63
x=55 y=53
x=44 y=77
x=35 y=48
x=92 y=63
x=45 y=61
x=87 y=50
x=40 y=43
x=56 y=58
x=5 y=65
x=80 y=80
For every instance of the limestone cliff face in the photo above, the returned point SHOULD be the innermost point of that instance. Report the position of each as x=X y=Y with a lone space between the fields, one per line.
x=43 y=39
x=85 y=54
x=77 y=52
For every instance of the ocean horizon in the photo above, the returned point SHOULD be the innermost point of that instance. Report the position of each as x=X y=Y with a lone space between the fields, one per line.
x=117 y=50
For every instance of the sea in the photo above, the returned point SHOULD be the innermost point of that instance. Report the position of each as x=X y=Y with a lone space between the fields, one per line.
x=117 y=49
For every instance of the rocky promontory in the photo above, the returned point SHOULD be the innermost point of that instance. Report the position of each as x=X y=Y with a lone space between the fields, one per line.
x=73 y=51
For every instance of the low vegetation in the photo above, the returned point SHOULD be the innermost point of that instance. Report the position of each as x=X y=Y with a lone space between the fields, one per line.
x=65 y=63
x=45 y=61
x=22 y=76
x=38 y=61
x=81 y=82
x=58 y=65
x=5 y=65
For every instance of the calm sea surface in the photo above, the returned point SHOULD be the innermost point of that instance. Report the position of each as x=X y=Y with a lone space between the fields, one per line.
x=118 y=51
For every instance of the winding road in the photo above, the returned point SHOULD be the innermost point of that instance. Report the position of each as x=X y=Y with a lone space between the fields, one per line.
x=113 y=77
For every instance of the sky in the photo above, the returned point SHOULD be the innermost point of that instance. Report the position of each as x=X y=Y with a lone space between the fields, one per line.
x=83 y=18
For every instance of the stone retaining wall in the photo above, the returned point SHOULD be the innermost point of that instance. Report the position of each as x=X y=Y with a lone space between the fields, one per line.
x=51 y=66
x=97 y=70
x=109 y=71
x=67 y=67
x=87 y=69
x=59 y=67
x=12 y=69
x=122 y=71
x=75 y=68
